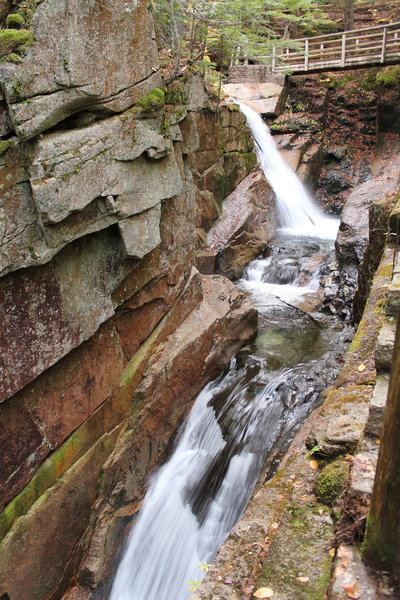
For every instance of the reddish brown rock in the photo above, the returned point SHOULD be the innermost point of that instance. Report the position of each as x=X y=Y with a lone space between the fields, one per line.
x=247 y=224
x=22 y=445
x=190 y=356
x=47 y=311
x=41 y=550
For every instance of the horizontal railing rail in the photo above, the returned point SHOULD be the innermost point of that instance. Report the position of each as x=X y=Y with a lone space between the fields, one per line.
x=370 y=46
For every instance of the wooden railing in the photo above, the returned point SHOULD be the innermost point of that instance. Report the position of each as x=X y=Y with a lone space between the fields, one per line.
x=371 y=46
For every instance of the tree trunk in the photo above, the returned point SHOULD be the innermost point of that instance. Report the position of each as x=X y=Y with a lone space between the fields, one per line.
x=382 y=540
x=175 y=43
x=348 y=22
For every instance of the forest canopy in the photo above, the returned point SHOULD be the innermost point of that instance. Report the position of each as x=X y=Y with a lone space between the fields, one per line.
x=224 y=31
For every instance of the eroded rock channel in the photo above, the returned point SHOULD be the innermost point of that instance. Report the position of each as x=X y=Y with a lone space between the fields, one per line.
x=248 y=413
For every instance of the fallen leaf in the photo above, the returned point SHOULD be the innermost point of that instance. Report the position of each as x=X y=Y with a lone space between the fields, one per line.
x=321 y=512
x=299 y=483
x=352 y=589
x=344 y=553
x=313 y=464
x=302 y=579
x=339 y=570
x=377 y=442
x=274 y=526
x=263 y=593
x=332 y=552
x=305 y=498
x=361 y=368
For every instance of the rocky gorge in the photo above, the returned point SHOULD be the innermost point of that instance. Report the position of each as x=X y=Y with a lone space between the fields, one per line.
x=115 y=303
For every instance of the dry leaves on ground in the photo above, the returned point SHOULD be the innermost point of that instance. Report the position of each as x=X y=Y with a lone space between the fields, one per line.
x=352 y=589
x=263 y=592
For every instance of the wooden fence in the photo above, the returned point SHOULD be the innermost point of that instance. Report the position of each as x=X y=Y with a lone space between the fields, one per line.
x=370 y=46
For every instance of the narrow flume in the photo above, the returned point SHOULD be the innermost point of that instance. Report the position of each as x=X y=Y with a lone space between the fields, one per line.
x=271 y=386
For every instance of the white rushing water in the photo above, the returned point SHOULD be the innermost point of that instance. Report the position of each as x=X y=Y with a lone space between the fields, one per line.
x=200 y=493
x=298 y=213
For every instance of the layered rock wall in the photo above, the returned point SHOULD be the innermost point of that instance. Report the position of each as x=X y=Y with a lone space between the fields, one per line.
x=107 y=331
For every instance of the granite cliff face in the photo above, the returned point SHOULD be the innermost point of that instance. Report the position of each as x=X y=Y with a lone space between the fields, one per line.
x=107 y=331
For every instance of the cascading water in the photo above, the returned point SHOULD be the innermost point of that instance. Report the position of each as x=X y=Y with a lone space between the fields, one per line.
x=272 y=384
x=298 y=213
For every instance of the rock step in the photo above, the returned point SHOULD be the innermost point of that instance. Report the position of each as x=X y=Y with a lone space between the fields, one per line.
x=377 y=405
x=350 y=576
x=393 y=302
x=385 y=344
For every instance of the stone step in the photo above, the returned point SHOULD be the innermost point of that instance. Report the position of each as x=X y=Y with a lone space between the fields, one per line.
x=374 y=423
x=393 y=301
x=363 y=472
x=350 y=577
x=385 y=344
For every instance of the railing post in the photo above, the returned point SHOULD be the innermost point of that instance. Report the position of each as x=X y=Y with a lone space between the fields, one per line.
x=343 y=58
x=384 y=39
x=306 y=55
x=273 y=62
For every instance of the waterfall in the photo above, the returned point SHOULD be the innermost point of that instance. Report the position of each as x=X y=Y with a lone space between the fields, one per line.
x=297 y=212
x=201 y=492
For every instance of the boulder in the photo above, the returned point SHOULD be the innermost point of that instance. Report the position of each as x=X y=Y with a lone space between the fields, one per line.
x=247 y=224
x=90 y=66
x=268 y=99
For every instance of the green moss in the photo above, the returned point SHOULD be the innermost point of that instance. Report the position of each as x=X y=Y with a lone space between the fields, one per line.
x=177 y=93
x=390 y=76
x=141 y=354
x=5 y=145
x=330 y=482
x=15 y=21
x=46 y=475
x=14 y=39
x=300 y=548
x=17 y=88
x=374 y=548
x=153 y=101
x=32 y=252
x=165 y=125
x=13 y=58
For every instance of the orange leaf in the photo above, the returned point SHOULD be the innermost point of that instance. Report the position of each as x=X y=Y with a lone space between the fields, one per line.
x=313 y=464
x=263 y=592
x=352 y=589
x=303 y=579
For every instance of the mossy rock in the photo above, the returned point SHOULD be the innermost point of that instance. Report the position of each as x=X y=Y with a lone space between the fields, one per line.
x=300 y=548
x=153 y=101
x=330 y=482
x=15 y=21
x=14 y=39
x=389 y=76
x=4 y=146
x=177 y=93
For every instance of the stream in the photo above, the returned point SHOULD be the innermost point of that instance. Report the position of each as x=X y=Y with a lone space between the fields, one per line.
x=250 y=410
